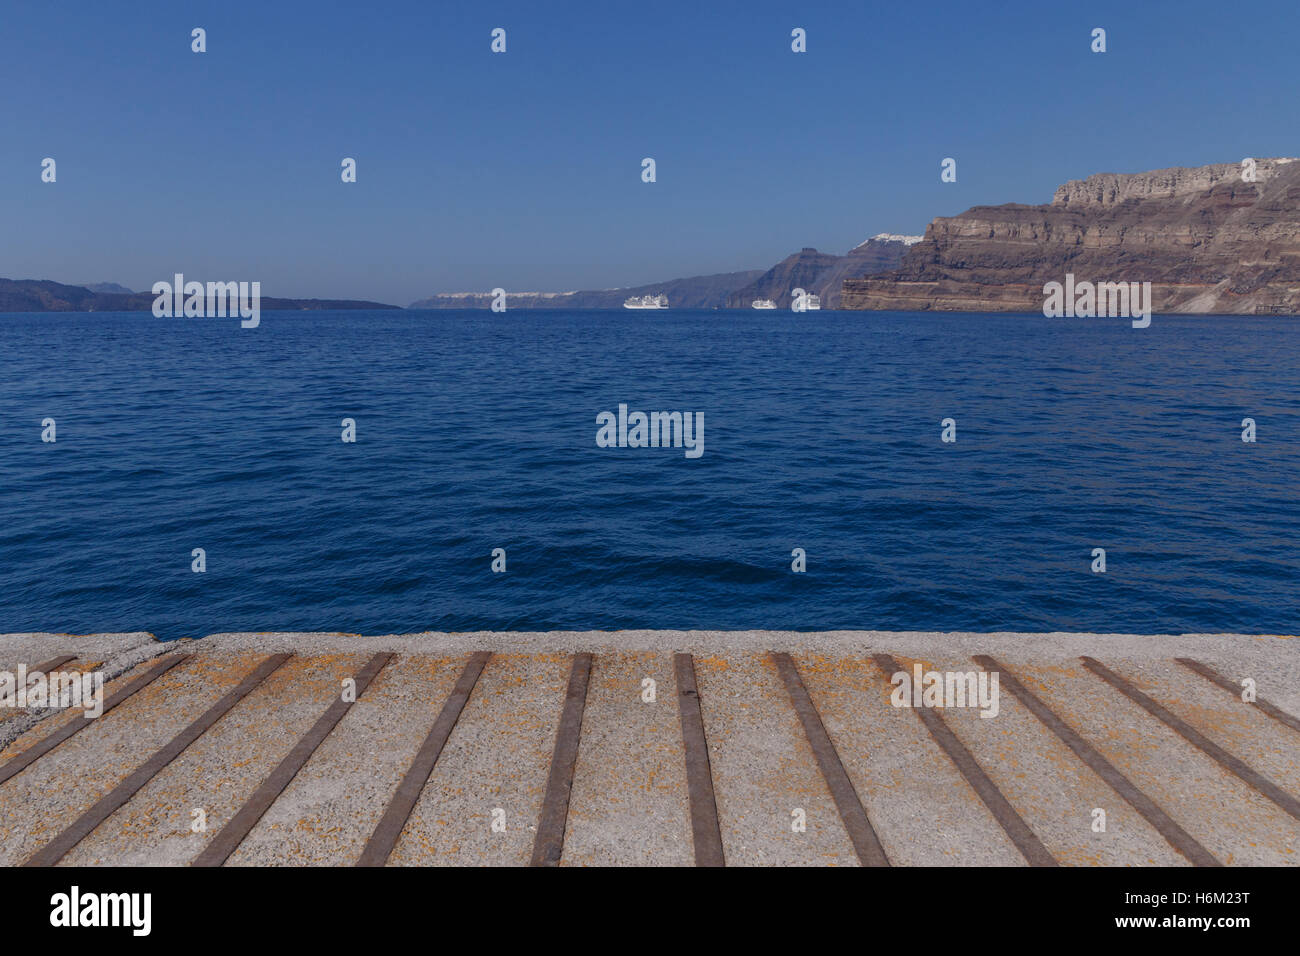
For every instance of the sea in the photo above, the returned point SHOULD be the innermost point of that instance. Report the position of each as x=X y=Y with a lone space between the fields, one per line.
x=476 y=433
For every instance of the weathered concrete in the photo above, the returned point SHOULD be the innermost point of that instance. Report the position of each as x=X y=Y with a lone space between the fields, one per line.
x=109 y=654
x=628 y=804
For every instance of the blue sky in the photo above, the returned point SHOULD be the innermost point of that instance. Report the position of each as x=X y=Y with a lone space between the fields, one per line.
x=522 y=170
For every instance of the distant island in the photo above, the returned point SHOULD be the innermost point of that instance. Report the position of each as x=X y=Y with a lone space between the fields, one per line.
x=112 y=288
x=816 y=272
x=1218 y=239
x=43 y=295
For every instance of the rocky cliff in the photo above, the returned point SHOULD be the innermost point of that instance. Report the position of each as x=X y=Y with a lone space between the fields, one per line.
x=1206 y=240
x=799 y=271
x=822 y=273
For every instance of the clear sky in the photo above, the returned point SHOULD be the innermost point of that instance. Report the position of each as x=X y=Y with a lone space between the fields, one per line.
x=523 y=169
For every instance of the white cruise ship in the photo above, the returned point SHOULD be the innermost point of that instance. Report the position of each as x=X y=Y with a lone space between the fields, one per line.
x=801 y=301
x=764 y=304
x=646 y=302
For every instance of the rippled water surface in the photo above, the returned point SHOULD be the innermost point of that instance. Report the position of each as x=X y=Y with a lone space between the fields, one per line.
x=477 y=431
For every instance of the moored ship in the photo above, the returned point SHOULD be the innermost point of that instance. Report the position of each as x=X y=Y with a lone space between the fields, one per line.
x=801 y=301
x=646 y=302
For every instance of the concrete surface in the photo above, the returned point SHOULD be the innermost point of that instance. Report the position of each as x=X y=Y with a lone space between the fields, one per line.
x=628 y=804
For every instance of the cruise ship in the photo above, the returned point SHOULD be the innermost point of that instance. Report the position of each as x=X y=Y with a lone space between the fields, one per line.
x=801 y=301
x=646 y=302
x=764 y=304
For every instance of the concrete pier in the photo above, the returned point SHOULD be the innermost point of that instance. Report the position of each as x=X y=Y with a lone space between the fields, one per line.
x=656 y=748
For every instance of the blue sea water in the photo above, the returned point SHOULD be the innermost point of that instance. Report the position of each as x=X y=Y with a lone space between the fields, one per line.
x=477 y=431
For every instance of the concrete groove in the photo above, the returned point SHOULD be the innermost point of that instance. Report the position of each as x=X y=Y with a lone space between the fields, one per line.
x=1214 y=677
x=1014 y=825
x=706 y=831
x=549 y=844
x=1229 y=762
x=233 y=833
x=389 y=829
x=865 y=842
x=25 y=759
x=1178 y=838
x=44 y=667
x=84 y=825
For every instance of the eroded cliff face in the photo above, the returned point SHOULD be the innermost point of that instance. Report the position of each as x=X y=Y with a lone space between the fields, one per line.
x=1109 y=189
x=822 y=273
x=1207 y=241
x=799 y=271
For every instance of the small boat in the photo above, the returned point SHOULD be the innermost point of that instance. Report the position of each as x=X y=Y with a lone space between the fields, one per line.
x=764 y=304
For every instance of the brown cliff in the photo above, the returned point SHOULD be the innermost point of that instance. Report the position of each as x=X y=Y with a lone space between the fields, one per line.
x=1207 y=241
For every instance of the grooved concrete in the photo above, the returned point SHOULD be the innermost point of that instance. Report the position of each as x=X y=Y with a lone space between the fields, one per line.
x=764 y=769
x=1228 y=818
x=629 y=803
x=496 y=758
x=629 y=800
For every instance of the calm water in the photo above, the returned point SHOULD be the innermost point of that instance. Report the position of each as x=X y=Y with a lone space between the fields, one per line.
x=477 y=431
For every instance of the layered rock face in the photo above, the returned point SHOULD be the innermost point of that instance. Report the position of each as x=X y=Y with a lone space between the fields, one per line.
x=822 y=273
x=878 y=254
x=1207 y=241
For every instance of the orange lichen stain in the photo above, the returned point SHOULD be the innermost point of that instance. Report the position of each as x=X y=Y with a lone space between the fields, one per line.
x=820 y=664
x=1045 y=675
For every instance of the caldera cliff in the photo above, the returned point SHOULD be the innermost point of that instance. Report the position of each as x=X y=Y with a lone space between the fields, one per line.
x=1207 y=240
